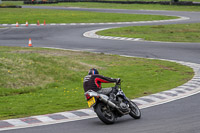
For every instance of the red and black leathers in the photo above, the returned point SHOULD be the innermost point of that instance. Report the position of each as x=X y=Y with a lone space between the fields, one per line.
x=93 y=82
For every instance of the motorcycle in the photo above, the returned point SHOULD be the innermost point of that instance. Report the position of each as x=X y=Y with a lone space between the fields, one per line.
x=109 y=109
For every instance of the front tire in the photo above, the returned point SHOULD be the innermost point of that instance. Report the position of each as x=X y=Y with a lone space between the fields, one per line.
x=135 y=111
x=105 y=114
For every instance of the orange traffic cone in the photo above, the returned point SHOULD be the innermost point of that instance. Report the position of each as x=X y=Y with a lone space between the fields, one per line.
x=38 y=23
x=17 y=24
x=26 y=23
x=30 y=43
x=44 y=22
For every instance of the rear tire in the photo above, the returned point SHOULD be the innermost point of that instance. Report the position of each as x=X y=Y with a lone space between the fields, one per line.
x=135 y=111
x=104 y=114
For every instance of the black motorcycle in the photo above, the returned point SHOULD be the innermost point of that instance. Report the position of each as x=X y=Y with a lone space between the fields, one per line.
x=108 y=109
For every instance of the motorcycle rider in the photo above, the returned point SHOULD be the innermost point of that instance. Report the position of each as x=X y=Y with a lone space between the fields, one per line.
x=93 y=82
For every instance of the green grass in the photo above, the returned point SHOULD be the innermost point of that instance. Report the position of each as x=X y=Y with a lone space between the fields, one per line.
x=37 y=81
x=169 y=33
x=152 y=0
x=11 y=16
x=126 y=6
x=119 y=6
x=10 y=3
x=13 y=2
x=3 y=5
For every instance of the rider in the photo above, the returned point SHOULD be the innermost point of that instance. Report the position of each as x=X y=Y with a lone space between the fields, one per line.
x=93 y=82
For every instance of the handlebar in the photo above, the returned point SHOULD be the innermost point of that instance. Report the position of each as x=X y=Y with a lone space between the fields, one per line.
x=118 y=85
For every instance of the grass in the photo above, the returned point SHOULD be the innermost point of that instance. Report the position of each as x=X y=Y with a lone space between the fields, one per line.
x=169 y=33
x=3 y=5
x=151 y=0
x=11 y=16
x=118 y=6
x=21 y=2
x=126 y=6
x=37 y=81
x=10 y=3
x=13 y=2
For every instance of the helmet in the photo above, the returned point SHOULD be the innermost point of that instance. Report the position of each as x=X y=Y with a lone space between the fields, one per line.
x=93 y=71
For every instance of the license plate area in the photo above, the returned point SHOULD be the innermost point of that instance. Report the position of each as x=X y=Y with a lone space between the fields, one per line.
x=91 y=102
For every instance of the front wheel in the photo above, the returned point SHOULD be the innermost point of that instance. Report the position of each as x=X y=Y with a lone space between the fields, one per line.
x=135 y=111
x=105 y=114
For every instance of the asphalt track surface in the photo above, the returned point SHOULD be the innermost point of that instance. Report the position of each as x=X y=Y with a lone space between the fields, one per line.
x=180 y=116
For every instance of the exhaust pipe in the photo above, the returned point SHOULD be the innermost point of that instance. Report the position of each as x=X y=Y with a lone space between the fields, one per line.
x=105 y=100
x=110 y=103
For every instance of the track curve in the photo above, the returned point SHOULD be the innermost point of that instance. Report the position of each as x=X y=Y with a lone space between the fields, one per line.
x=178 y=116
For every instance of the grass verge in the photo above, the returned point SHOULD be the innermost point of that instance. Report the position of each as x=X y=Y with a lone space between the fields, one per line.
x=13 y=2
x=169 y=33
x=126 y=6
x=153 y=0
x=37 y=81
x=118 y=6
x=10 y=3
x=11 y=16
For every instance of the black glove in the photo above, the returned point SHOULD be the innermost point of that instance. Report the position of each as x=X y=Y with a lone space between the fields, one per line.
x=118 y=80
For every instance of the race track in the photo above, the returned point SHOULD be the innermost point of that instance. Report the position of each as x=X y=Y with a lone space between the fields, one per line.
x=180 y=116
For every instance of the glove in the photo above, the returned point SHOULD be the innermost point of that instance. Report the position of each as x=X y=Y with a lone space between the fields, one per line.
x=118 y=80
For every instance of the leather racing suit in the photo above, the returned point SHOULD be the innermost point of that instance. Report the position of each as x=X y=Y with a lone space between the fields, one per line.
x=93 y=82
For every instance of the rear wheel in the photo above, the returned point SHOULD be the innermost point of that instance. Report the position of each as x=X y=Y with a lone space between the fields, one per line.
x=105 y=114
x=135 y=111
